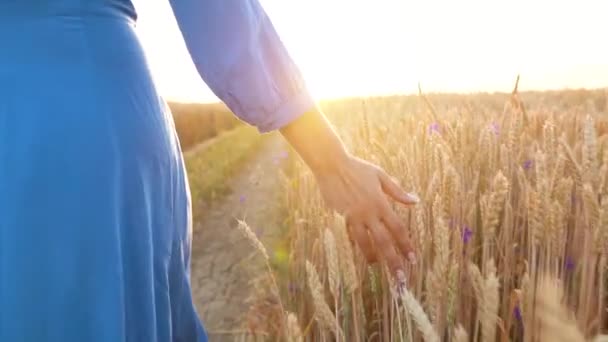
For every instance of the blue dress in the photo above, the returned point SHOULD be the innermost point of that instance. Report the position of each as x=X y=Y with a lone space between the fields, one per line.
x=95 y=224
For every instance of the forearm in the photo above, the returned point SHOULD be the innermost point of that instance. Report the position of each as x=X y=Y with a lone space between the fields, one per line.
x=356 y=189
x=313 y=137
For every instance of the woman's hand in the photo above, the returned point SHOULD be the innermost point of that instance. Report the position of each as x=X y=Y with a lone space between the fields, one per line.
x=355 y=188
x=361 y=191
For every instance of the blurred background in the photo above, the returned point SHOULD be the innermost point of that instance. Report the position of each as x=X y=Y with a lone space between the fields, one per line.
x=353 y=48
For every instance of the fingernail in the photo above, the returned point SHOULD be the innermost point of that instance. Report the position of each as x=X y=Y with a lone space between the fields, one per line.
x=412 y=258
x=411 y=197
x=400 y=276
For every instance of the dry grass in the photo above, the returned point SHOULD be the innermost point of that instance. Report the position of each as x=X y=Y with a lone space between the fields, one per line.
x=515 y=201
x=197 y=122
x=210 y=168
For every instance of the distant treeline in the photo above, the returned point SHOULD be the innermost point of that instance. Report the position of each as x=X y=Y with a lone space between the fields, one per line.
x=196 y=122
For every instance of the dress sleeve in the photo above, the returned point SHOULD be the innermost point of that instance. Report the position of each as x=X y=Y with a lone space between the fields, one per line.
x=240 y=56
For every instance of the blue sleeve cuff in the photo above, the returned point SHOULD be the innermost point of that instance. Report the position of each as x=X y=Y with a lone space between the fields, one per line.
x=288 y=112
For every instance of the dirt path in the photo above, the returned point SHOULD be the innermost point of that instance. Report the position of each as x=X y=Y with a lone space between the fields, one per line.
x=223 y=261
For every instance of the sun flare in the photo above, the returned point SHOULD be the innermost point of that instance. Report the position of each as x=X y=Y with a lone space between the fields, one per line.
x=350 y=48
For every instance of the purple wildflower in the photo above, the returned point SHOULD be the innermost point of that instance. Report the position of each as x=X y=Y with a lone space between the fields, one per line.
x=467 y=234
x=570 y=264
x=495 y=128
x=242 y=198
x=292 y=288
x=259 y=232
x=517 y=313
x=434 y=128
x=528 y=164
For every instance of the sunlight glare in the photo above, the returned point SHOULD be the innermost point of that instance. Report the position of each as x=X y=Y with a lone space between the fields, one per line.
x=349 y=48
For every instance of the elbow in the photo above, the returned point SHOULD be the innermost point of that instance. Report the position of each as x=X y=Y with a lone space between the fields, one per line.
x=271 y=116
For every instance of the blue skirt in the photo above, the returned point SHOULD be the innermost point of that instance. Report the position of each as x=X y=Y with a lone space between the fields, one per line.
x=95 y=224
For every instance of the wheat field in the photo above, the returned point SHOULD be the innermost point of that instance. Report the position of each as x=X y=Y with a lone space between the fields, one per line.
x=511 y=234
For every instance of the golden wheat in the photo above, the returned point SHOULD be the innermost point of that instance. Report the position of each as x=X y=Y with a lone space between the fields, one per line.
x=323 y=313
x=553 y=319
x=294 y=334
x=345 y=254
x=331 y=257
x=252 y=238
x=508 y=198
x=417 y=313
x=460 y=334
x=489 y=306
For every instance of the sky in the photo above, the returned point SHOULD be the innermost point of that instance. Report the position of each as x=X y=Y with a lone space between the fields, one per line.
x=375 y=47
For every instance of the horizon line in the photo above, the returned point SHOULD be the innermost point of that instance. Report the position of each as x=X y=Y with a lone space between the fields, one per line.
x=407 y=94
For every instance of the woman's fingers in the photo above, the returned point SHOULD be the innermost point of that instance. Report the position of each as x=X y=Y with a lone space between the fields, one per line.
x=359 y=233
x=399 y=233
x=384 y=246
x=391 y=188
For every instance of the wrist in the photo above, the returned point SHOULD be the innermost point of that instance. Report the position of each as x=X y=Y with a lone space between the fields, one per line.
x=318 y=145
x=330 y=160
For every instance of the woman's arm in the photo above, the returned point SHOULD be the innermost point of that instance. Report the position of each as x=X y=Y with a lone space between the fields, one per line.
x=355 y=188
x=240 y=56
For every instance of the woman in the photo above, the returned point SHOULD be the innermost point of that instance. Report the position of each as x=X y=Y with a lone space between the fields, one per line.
x=94 y=203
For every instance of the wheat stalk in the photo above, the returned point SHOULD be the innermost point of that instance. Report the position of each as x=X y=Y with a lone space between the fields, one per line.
x=603 y=185
x=294 y=334
x=563 y=190
x=415 y=310
x=253 y=240
x=436 y=278
x=460 y=334
x=323 y=313
x=489 y=308
x=331 y=257
x=549 y=139
x=515 y=128
x=496 y=203
x=535 y=194
x=345 y=254
x=450 y=188
x=476 y=282
x=590 y=163
x=534 y=217
x=601 y=236
x=505 y=158
x=420 y=228
x=572 y=165
x=553 y=319
x=555 y=227
x=592 y=208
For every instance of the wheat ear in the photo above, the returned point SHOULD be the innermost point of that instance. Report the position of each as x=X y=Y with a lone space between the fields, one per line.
x=554 y=322
x=294 y=333
x=415 y=310
x=590 y=162
x=460 y=335
x=323 y=313
x=331 y=257
x=345 y=254
x=489 y=308
x=495 y=205
x=250 y=235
